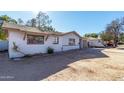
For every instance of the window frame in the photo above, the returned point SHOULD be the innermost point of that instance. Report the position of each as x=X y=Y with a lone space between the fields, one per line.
x=72 y=40
x=56 y=40
x=34 y=37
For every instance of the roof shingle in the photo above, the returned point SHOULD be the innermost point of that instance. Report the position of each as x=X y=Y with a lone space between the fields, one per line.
x=32 y=29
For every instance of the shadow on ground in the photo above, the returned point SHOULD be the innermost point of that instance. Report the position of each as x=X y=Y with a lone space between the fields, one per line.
x=121 y=48
x=39 y=67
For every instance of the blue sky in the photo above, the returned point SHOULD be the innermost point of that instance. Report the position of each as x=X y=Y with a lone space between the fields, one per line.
x=80 y=21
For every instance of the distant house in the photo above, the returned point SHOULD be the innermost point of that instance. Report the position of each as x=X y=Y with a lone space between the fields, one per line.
x=25 y=40
x=95 y=42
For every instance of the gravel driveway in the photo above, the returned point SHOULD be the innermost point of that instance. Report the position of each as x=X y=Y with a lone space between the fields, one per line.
x=72 y=65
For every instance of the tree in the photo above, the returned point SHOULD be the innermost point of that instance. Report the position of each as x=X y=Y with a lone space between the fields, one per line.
x=106 y=36
x=5 y=18
x=115 y=27
x=43 y=22
x=2 y=34
x=32 y=22
x=121 y=37
x=9 y=20
x=20 y=21
x=48 y=28
x=113 y=30
x=94 y=35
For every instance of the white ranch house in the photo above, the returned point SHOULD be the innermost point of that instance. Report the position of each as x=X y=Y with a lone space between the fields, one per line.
x=33 y=41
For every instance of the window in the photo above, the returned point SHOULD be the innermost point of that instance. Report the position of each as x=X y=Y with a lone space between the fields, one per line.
x=71 y=41
x=35 y=39
x=56 y=40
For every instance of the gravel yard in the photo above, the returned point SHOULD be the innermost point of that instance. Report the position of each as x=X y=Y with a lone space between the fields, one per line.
x=86 y=64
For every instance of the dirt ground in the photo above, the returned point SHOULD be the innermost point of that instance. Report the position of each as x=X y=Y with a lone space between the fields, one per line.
x=76 y=65
x=109 y=67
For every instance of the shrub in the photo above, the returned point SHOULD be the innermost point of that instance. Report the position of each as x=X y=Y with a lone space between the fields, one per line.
x=50 y=50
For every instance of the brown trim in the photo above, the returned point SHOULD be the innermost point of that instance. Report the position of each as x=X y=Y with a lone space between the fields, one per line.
x=46 y=37
x=10 y=28
x=24 y=36
x=44 y=33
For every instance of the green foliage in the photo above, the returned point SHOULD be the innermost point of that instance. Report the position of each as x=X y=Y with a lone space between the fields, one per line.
x=32 y=22
x=121 y=37
x=20 y=21
x=50 y=50
x=13 y=21
x=2 y=34
x=112 y=31
x=8 y=19
x=5 y=18
x=106 y=36
x=94 y=35
x=43 y=19
x=109 y=33
x=42 y=22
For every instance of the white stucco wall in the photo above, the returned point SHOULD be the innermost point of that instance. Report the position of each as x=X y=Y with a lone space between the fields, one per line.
x=65 y=41
x=95 y=43
x=17 y=37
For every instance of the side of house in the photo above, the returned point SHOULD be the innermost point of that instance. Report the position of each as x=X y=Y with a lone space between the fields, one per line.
x=35 y=42
x=70 y=41
x=26 y=46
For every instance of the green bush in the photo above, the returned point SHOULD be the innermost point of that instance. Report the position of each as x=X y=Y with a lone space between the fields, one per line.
x=50 y=50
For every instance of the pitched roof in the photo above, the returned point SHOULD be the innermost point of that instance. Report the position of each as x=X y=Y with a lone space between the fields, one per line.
x=23 y=28
x=91 y=38
x=72 y=32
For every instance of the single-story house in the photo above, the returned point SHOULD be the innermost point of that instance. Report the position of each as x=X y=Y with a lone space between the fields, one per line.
x=95 y=42
x=25 y=40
